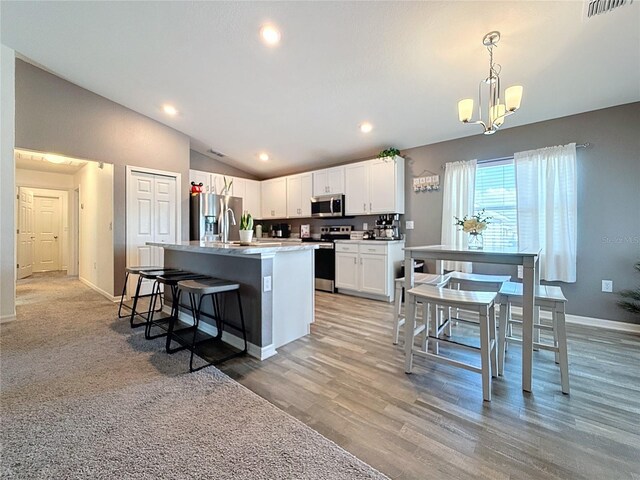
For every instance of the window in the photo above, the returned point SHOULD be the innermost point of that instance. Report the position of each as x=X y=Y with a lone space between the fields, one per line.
x=496 y=193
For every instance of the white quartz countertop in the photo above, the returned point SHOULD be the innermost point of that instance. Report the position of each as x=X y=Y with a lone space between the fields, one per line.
x=369 y=242
x=219 y=248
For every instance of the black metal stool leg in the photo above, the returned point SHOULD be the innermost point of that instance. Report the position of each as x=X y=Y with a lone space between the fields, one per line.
x=135 y=305
x=172 y=322
x=244 y=330
x=124 y=291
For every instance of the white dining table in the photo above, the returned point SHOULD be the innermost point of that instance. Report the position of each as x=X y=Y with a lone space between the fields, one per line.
x=527 y=257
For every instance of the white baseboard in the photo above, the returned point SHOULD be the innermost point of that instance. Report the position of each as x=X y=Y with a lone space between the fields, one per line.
x=99 y=290
x=7 y=318
x=589 y=321
x=261 y=353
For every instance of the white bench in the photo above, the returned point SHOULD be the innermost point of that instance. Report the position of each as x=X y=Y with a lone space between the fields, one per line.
x=477 y=281
x=419 y=279
x=547 y=298
x=482 y=303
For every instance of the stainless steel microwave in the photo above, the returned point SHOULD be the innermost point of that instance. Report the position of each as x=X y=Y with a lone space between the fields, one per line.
x=327 y=206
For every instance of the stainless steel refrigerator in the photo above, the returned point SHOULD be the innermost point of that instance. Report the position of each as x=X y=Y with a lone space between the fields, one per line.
x=204 y=216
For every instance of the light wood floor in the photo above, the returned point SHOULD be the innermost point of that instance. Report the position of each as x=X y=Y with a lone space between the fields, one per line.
x=346 y=380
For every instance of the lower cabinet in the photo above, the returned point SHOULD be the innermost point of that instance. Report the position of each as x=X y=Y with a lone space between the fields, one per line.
x=368 y=268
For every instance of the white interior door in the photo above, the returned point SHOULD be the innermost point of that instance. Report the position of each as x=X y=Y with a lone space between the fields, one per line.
x=164 y=214
x=151 y=217
x=26 y=234
x=47 y=232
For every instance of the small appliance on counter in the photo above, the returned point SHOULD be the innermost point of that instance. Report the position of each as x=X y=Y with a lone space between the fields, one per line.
x=280 y=230
x=387 y=227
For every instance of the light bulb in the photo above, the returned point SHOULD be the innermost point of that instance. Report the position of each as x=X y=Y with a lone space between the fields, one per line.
x=513 y=97
x=465 y=109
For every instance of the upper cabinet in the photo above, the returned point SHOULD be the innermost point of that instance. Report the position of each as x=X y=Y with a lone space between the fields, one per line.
x=299 y=194
x=274 y=198
x=211 y=182
x=248 y=190
x=328 y=181
x=375 y=187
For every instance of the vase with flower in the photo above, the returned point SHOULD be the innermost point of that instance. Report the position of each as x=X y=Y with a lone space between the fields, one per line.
x=474 y=225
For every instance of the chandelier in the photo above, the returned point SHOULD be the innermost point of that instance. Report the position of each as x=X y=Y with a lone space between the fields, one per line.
x=498 y=107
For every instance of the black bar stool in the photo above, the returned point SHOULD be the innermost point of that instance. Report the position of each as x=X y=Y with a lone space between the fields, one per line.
x=169 y=279
x=197 y=341
x=145 y=275
x=130 y=271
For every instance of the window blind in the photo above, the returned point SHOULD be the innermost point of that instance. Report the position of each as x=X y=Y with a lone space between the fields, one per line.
x=496 y=193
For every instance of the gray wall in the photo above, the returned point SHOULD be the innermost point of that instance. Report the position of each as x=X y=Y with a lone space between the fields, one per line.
x=198 y=161
x=53 y=115
x=608 y=196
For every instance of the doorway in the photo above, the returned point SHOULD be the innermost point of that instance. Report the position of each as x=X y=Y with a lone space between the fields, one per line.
x=43 y=243
x=153 y=215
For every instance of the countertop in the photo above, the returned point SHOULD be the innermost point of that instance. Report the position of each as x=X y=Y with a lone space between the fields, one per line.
x=370 y=242
x=219 y=248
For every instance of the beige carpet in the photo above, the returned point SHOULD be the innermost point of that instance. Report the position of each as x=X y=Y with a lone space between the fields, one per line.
x=84 y=396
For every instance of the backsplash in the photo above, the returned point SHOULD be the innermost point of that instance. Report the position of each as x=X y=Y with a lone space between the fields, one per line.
x=356 y=222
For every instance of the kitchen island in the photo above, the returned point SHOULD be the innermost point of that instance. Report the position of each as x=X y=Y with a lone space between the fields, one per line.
x=276 y=285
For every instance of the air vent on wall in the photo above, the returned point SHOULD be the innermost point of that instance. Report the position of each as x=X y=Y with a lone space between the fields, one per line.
x=597 y=7
x=217 y=154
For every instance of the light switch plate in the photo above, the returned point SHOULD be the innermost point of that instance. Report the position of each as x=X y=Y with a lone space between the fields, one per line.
x=365 y=226
x=607 y=286
x=409 y=224
x=267 y=283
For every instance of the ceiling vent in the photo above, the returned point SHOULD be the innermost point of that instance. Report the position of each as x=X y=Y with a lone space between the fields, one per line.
x=217 y=154
x=597 y=7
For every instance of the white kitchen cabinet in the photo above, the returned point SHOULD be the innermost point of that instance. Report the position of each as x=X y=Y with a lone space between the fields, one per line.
x=197 y=176
x=299 y=192
x=249 y=191
x=347 y=270
x=252 y=198
x=368 y=268
x=356 y=179
x=375 y=186
x=211 y=182
x=274 y=198
x=328 y=181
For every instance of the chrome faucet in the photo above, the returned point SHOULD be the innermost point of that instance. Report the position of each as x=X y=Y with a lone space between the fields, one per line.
x=223 y=218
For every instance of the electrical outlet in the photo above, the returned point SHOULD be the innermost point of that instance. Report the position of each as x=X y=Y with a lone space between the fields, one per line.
x=267 y=283
x=365 y=226
x=520 y=271
x=607 y=286
x=409 y=224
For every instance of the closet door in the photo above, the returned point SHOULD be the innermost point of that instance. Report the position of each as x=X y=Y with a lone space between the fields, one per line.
x=164 y=215
x=151 y=217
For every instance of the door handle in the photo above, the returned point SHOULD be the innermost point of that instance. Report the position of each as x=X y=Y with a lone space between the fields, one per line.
x=55 y=236
x=33 y=238
x=364 y=207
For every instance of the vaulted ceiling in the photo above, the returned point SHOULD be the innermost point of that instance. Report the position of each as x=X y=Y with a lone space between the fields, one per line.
x=401 y=66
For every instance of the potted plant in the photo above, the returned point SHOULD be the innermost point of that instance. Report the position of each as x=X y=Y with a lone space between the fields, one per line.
x=390 y=152
x=246 y=227
x=474 y=226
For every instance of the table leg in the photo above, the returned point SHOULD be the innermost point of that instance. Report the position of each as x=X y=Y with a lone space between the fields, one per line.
x=409 y=312
x=528 y=300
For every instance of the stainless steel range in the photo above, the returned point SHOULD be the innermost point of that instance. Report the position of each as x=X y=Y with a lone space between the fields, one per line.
x=325 y=256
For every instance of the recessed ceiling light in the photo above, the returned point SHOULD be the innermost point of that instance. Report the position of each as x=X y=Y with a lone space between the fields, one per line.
x=263 y=156
x=169 y=109
x=270 y=35
x=54 y=158
x=366 y=127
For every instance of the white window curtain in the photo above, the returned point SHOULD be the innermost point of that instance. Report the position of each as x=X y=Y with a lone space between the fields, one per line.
x=546 y=187
x=457 y=201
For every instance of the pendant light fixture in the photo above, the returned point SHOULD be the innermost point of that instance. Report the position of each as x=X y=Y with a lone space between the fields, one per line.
x=498 y=107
